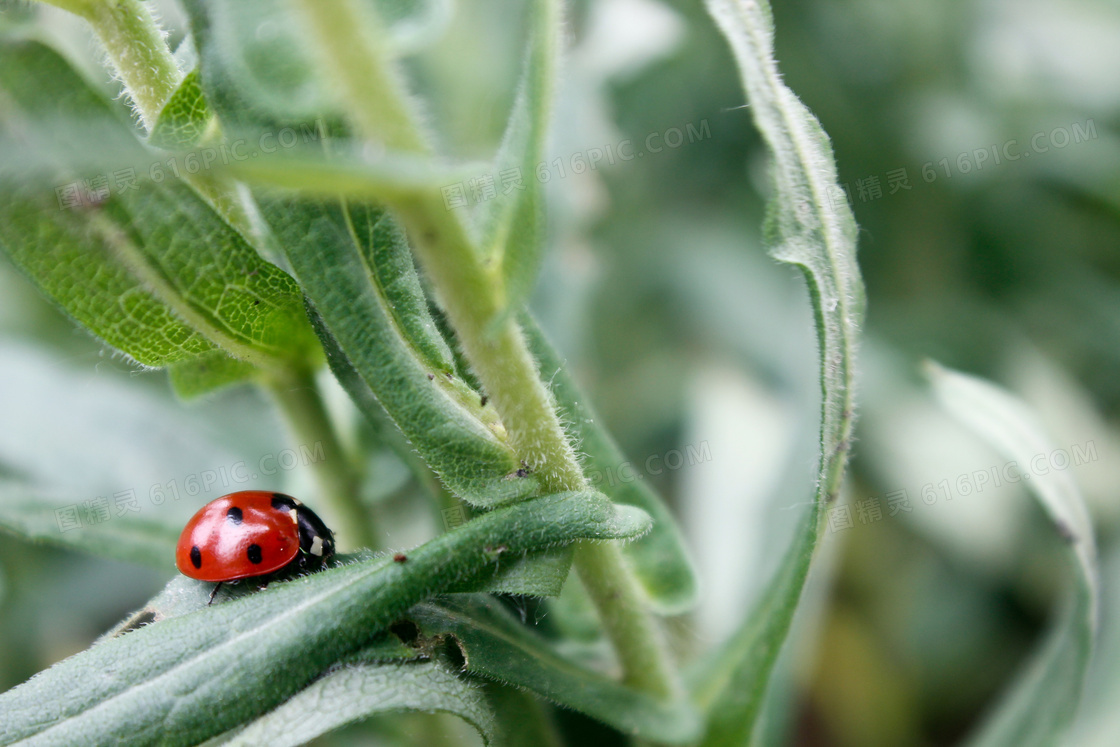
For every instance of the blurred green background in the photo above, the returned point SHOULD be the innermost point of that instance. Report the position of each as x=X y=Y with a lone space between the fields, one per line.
x=699 y=350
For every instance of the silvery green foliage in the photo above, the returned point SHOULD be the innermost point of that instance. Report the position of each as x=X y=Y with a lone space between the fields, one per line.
x=810 y=226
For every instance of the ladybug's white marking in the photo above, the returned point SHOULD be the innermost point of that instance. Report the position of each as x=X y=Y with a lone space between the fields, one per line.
x=294 y=515
x=317 y=546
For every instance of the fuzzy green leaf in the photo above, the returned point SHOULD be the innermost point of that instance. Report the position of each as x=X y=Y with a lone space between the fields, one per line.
x=151 y=269
x=1040 y=706
x=496 y=646
x=180 y=680
x=357 y=272
x=513 y=225
x=523 y=720
x=207 y=372
x=540 y=575
x=357 y=691
x=184 y=117
x=808 y=225
x=660 y=559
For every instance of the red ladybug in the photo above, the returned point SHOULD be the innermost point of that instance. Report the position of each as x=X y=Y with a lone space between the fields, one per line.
x=251 y=533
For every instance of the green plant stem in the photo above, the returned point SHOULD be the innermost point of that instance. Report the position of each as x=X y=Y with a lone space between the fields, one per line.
x=639 y=644
x=352 y=46
x=136 y=49
x=298 y=398
x=499 y=355
x=351 y=41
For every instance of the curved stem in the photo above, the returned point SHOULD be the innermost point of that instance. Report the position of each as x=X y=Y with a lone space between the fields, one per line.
x=353 y=48
x=136 y=49
x=298 y=398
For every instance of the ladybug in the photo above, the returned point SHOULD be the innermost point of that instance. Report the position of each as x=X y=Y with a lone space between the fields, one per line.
x=251 y=533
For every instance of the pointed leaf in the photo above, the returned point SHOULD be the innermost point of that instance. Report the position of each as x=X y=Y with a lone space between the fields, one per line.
x=357 y=272
x=541 y=575
x=1040 y=706
x=513 y=224
x=810 y=226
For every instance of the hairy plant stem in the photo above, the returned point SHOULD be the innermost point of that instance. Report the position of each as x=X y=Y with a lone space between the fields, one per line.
x=298 y=398
x=353 y=48
x=136 y=49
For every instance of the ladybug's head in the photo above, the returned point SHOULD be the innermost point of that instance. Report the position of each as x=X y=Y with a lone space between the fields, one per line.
x=315 y=539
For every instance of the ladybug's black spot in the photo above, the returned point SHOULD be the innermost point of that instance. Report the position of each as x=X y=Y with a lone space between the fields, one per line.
x=234 y=514
x=196 y=557
x=283 y=502
x=254 y=554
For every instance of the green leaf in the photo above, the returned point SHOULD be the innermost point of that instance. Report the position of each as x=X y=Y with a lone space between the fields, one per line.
x=659 y=559
x=32 y=513
x=356 y=691
x=152 y=270
x=184 y=117
x=523 y=720
x=1040 y=706
x=207 y=372
x=383 y=346
x=810 y=226
x=456 y=452
x=513 y=224
x=1098 y=723
x=496 y=646
x=180 y=680
x=539 y=575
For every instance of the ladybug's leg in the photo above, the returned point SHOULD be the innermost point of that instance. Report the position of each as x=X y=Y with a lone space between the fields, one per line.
x=216 y=587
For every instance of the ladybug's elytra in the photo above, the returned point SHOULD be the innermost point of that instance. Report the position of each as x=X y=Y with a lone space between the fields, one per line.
x=251 y=533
